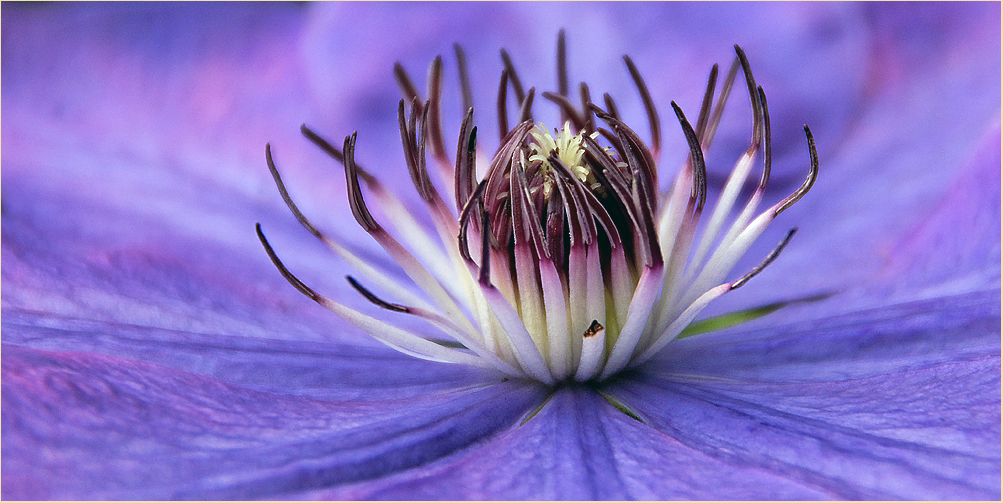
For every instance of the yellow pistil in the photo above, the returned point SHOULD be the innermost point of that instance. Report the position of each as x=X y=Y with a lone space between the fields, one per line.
x=569 y=148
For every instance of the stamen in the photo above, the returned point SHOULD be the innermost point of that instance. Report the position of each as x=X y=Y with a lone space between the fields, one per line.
x=394 y=337
x=484 y=278
x=562 y=68
x=461 y=68
x=641 y=197
x=354 y=261
x=649 y=106
x=647 y=172
x=371 y=297
x=730 y=192
x=359 y=210
x=757 y=121
x=293 y=280
x=336 y=154
x=525 y=228
x=434 y=106
x=408 y=89
x=589 y=124
x=696 y=159
x=285 y=195
x=722 y=99
x=413 y=140
x=768 y=142
x=526 y=110
x=502 y=107
x=322 y=143
x=617 y=185
x=708 y=98
x=512 y=76
x=472 y=202
x=767 y=261
x=597 y=155
x=611 y=109
x=806 y=186
x=466 y=168
x=582 y=227
x=443 y=323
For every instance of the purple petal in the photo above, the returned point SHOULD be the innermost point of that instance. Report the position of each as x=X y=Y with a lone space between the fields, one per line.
x=862 y=343
x=896 y=402
x=319 y=370
x=579 y=447
x=78 y=425
x=958 y=244
x=561 y=453
x=868 y=438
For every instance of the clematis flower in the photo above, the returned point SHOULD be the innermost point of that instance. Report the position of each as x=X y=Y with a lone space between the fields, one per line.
x=150 y=350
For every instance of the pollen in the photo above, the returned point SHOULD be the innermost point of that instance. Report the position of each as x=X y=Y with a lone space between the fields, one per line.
x=568 y=147
x=562 y=258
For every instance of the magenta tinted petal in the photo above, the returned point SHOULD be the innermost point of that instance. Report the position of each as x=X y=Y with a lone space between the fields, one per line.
x=957 y=245
x=77 y=425
x=319 y=370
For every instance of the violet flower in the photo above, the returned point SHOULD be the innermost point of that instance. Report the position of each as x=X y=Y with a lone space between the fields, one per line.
x=150 y=350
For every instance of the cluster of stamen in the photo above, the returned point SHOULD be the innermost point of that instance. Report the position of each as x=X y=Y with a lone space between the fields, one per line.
x=564 y=261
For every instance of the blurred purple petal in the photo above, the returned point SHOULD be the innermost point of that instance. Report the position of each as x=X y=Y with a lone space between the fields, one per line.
x=957 y=245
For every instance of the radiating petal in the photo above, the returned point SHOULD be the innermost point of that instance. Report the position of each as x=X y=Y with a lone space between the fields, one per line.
x=561 y=453
x=78 y=425
x=580 y=447
x=882 y=340
x=315 y=369
x=896 y=402
x=926 y=434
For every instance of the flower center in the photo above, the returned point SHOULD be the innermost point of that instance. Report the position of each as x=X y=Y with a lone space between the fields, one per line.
x=551 y=213
x=569 y=150
x=566 y=262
